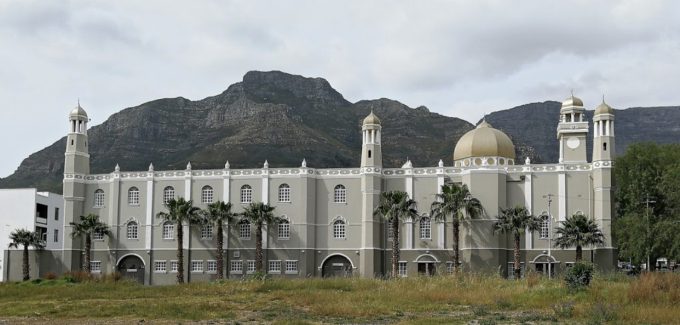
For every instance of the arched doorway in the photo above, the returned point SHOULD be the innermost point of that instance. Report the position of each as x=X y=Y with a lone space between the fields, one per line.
x=543 y=263
x=426 y=265
x=132 y=267
x=336 y=266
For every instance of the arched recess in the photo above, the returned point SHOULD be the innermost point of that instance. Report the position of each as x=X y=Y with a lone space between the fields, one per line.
x=336 y=265
x=132 y=266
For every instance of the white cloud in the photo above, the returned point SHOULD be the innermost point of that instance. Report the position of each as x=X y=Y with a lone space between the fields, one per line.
x=459 y=58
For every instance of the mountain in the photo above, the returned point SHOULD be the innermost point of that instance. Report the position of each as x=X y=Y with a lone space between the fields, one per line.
x=284 y=118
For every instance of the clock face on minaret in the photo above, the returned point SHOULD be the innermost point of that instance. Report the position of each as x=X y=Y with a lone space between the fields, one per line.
x=573 y=142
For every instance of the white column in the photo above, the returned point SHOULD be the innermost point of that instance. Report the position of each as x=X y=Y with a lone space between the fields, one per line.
x=149 y=212
x=265 y=188
x=226 y=186
x=612 y=123
x=562 y=195
x=595 y=133
x=409 y=183
x=528 y=198
x=440 y=236
x=561 y=149
x=409 y=234
x=378 y=132
x=187 y=196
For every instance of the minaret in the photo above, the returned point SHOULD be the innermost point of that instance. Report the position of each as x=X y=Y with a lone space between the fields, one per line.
x=371 y=154
x=76 y=167
x=603 y=182
x=370 y=257
x=603 y=131
x=572 y=131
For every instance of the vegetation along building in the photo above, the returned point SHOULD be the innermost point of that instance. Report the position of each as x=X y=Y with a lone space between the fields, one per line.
x=330 y=228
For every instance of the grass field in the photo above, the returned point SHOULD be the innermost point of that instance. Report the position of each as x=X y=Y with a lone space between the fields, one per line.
x=649 y=299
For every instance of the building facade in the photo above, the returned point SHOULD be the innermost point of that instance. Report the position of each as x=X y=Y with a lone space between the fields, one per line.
x=42 y=212
x=330 y=228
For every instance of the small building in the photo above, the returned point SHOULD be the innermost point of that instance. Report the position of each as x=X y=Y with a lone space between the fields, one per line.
x=26 y=208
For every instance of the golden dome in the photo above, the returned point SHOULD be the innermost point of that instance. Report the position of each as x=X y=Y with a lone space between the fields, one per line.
x=371 y=119
x=484 y=141
x=572 y=101
x=604 y=109
x=78 y=112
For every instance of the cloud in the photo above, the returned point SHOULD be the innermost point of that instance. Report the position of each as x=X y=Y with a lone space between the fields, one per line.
x=459 y=58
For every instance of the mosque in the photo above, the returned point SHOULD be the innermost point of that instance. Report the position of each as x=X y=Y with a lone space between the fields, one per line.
x=329 y=227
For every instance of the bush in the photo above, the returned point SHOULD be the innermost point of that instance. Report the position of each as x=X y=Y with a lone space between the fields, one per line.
x=77 y=277
x=579 y=276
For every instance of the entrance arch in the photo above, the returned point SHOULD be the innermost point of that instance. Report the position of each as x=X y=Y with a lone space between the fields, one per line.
x=336 y=265
x=427 y=264
x=131 y=267
x=544 y=262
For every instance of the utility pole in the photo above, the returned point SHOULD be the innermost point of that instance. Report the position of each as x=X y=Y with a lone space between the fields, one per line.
x=647 y=201
x=549 y=197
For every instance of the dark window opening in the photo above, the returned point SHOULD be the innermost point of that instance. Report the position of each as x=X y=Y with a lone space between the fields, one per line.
x=71 y=142
x=604 y=146
x=56 y=213
x=369 y=154
x=41 y=211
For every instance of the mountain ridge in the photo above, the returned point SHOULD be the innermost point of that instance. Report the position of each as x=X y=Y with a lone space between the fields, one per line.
x=284 y=118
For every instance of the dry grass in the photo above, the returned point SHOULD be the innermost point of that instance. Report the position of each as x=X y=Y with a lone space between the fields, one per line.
x=649 y=299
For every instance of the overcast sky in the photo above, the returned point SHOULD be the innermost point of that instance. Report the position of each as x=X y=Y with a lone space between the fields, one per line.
x=458 y=58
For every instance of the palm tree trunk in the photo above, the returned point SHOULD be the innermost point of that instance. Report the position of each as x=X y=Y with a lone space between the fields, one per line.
x=24 y=266
x=517 y=265
x=456 y=257
x=88 y=253
x=395 y=247
x=579 y=253
x=258 y=248
x=220 y=252
x=180 y=253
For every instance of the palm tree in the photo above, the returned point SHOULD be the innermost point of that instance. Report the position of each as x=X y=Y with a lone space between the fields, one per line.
x=259 y=213
x=516 y=221
x=219 y=213
x=180 y=211
x=87 y=227
x=578 y=230
x=395 y=206
x=456 y=201
x=26 y=238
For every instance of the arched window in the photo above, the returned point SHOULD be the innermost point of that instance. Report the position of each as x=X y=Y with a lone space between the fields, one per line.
x=545 y=226
x=99 y=198
x=207 y=231
x=168 y=194
x=339 y=231
x=133 y=196
x=244 y=229
x=340 y=194
x=132 y=230
x=284 y=228
x=246 y=194
x=425 y=228
x=168 y=230
x=207 y=194
x=604 y=146
x=284 y=193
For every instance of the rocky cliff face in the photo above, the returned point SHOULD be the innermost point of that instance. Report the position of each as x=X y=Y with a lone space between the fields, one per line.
x=284 y=118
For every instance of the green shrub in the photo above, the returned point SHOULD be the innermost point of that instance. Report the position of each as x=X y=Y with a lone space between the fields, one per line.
x=579 y=276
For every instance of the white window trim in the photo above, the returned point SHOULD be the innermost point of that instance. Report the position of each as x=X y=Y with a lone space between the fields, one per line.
x=191 y=265
x=297 y=267
x=207 y=268
x=96 y=262
x=231 y=267
x=165 y=264
x=171 y=232
x=284 y=198
x=248 y=262
x=405 y=273
x=209 y=234
x=269 y=267
x=172 y=262
x=250 y=231
x=127 y=231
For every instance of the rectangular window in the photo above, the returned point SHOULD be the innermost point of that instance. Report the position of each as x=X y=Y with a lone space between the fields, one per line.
x=275 y=267
x=291 y=267
x=402 y=268
x=96 y=266
x=159 y=266
x=56 y=235
x=196 y=266
x=207 y=232
x=207 y=195
x=246 y=194
x=132 y=231
x=340 y=194
x=236 y=267
x=284 y=230
x=244 y=230
x=425 y=229
x=545 y=225
x=98 y=235
x=99 y=199
x=511 y=270
x=168 y=231
x=56 y=213
x=250 y=266
x=174 y=266
x=284 y=193
x=449 y=266
x=212 y=266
